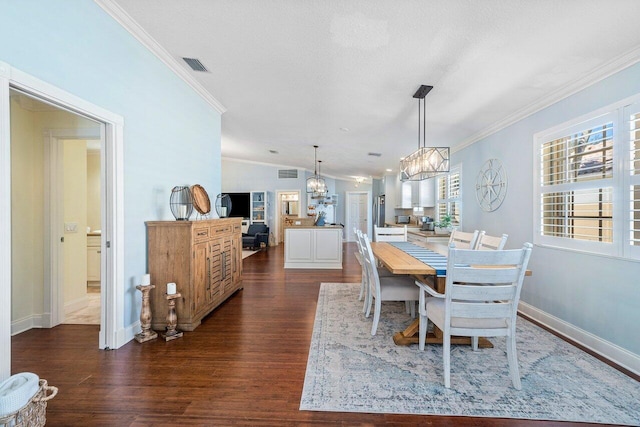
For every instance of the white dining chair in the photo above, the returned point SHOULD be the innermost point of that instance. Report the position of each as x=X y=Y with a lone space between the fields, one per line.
x=385 y=288
x=482 y=291
x=464 y=240
x=389 y=234
x=486 y=242
x=360 y=260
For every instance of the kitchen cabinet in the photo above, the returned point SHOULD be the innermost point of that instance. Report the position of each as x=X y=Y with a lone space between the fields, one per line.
x=203 y=258
x=423 y=193
x=403 y=194
x=93 y=258
x=313 y=247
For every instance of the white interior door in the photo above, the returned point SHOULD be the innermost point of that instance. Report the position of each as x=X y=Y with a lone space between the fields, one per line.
x=358 y=214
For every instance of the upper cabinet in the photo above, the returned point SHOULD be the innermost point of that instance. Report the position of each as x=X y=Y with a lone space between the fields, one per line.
x=403 y=194
x=423 y=193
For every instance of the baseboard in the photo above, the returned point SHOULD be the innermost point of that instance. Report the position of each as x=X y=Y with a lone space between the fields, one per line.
x=127 y=334
x=616 y=354
x=26 y=323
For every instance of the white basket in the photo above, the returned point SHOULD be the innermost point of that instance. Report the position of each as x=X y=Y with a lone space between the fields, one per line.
x=34 y=413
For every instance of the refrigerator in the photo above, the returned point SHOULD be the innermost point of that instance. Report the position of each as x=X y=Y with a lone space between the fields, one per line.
x=378 y=211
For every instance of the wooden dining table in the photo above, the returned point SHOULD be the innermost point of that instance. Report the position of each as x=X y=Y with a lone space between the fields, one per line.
x=398 y=261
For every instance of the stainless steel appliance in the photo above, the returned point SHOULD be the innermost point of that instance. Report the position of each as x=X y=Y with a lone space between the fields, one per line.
x=403 y=219
x=427 y=223
x=378 y=211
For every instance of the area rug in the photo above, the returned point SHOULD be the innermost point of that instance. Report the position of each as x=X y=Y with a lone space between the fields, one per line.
x=246 y=253
x=348 y=370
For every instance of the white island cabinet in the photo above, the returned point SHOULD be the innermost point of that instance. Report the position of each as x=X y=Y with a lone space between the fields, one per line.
x=313 y=247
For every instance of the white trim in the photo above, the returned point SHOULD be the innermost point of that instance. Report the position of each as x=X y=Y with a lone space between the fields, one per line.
x=26 y=323
x=112 y=331
x=616 y=65
x=129 y=24
x=5 y=223
x=610 y=351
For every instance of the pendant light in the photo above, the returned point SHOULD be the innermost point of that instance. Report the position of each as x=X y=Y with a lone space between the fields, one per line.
x=315 y=183
x=425 y=162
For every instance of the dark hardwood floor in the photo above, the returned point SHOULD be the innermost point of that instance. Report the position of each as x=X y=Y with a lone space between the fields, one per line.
x=245 y=365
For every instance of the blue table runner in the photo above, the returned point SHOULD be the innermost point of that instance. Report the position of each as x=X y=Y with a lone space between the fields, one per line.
x=434 y=259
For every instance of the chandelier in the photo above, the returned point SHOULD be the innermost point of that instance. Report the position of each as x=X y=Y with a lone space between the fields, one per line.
x=316 y=184
x=425 y=162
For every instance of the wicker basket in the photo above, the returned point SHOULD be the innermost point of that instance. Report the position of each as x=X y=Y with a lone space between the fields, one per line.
x=34 y=413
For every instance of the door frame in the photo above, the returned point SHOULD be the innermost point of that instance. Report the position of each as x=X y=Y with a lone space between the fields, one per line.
x=349 y=227
x=113 y=334
x=279 y=211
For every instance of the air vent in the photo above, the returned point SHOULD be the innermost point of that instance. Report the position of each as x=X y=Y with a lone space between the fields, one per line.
x=287 y=173
x=375 y=154
x=195 y=64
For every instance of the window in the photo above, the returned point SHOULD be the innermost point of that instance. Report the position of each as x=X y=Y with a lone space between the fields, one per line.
x=449 y=198
x=583 y=168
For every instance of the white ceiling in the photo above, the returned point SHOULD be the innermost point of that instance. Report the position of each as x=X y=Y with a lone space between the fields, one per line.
x=341 y=74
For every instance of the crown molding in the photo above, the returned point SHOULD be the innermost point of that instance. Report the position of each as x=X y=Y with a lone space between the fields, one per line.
x=600 y=73
x=129 y=24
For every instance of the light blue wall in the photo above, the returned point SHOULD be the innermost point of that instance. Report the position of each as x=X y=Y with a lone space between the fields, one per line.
x=171 y=135
x=597 y=294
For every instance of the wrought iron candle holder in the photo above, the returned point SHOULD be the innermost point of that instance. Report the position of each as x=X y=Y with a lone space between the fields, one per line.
x=181 y=203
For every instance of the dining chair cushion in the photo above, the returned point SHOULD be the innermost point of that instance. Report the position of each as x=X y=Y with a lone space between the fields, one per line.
x=435 y=308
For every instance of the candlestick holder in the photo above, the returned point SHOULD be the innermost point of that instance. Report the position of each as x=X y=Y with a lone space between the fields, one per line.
x=147 y=333
x=172 y=319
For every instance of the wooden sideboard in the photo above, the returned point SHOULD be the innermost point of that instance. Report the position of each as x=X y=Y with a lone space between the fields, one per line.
x=203 y=258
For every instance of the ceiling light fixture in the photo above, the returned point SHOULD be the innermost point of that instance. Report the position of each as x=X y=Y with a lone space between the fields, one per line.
x=316 y=184
x=425 y=162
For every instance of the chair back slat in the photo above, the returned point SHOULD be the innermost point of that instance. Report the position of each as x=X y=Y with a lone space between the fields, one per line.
x=487 y=275
x=486 y=242
x=390 y=234
x=463 y=240
x=489 y=292
x=494 y=310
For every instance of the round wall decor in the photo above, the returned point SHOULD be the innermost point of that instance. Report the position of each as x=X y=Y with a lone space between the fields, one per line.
x=491 y=185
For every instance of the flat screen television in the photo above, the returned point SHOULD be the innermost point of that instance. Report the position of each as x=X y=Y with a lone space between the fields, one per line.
x=240 y=205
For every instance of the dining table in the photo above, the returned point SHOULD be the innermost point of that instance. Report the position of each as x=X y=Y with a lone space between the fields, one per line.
x=431 y=272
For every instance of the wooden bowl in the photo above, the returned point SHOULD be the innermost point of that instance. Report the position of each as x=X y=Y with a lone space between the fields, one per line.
x=201 y=200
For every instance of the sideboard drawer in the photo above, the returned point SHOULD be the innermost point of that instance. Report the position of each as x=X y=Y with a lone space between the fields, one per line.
x=201 y=234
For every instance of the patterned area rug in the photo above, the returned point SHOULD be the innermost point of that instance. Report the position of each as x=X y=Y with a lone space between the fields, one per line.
x=350 y=371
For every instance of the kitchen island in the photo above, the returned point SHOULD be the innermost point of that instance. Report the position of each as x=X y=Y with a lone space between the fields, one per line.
x=313 y=247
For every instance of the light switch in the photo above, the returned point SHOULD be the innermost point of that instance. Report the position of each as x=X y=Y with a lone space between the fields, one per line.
x=70 y=227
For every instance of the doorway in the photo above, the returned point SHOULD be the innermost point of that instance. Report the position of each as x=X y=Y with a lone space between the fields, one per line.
x=54 y=153
x=358 y=214
x=46 y=308
x=288 y=204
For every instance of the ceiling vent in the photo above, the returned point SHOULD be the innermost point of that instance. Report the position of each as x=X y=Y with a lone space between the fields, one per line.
x=195 y=64
x=375 y=154
x=287 y=173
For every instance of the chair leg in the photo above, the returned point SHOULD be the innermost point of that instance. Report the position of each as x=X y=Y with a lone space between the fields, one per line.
x=446 y=356
x=424 y=325
x=368 y=302
x=413 y=309
x=407 y=307
x=362 y=284
x=376 y=317
x=474 y=343
x=512 y=356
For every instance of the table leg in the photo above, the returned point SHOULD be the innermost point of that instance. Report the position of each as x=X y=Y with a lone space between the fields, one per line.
x=411 y=333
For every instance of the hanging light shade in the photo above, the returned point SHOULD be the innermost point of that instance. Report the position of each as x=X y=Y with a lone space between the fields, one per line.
x=425 y=162
x=315 y=183
x=321 y=191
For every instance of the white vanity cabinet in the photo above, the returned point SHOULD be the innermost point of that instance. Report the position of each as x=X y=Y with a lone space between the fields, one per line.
x=93 y=258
